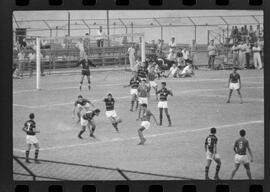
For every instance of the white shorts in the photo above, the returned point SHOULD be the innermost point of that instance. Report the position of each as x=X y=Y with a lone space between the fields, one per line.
x=145 y=124
x=163 y=104
x=133 y=92
x=82 y=54
x=84 y=122
x=111 y=114
x=31 y=139
x=234 y=86
x=153 y=83
x=143 y=100
x=212 y=156
x=241 y=159
x=86 y=106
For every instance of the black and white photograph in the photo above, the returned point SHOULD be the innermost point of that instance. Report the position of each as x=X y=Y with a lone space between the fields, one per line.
x=138 y=95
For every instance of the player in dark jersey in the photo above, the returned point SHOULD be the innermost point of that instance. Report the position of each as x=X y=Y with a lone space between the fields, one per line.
x=134 y=84
x=87 y=120
x=234 y=84
x=85 y=63
x=31 y=139
x=142 y=71
x=240 y=148
x=110 y=112
x=145 y=124
x=81 y=104
x=163 y=103
x=210 y=146
x=143 y=94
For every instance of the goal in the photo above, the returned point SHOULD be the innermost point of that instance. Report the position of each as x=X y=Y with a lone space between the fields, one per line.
x=63 y=53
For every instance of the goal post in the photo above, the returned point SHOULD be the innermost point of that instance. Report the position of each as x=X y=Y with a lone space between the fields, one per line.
x=104 y=50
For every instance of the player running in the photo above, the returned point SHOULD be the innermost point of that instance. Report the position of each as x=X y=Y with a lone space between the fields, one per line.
x=240 y=147
x=152 y=77
x=31 y=139
x=211 y=153
x=81 y=104
x=163 y=103
x=87 y=120
x=146 y=116
x=143 y=94
x=85 y=63
x=110 y=112
x=134 y=84
x=234 y=84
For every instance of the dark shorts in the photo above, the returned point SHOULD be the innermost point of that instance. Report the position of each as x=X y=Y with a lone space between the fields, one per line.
x=86 y=72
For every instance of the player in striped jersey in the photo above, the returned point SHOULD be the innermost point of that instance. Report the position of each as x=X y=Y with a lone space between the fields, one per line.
x=134 y=83
x=31 y=139
x=163 y=103
x=210 y=146
x=81 y=104
x=143 y=94
x=110 y=112
x=240 y=148
x=87 y=120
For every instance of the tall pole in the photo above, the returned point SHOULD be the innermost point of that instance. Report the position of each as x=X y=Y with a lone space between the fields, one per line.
x=68 y=23
x=132 y=31
x=108 y=27
x=38 y=63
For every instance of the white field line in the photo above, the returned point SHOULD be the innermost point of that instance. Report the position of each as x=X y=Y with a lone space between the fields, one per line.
x=122 y=97
x=118 y=84
x=222 y=96
x=147 y=136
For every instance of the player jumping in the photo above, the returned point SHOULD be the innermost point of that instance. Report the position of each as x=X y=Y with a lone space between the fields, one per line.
x=31 y=139
x=240 y=147
x=81 y=104
x=211 y=153
x=234 y=84
x=146 y=116
x=134 y=84
x=110 y=112
x=163 y=103
x=152 y=77
x=85 y=63
x=87 y=120
x=143 y=93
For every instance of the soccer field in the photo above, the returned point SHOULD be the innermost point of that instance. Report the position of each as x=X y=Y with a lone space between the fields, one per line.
x=176 y=152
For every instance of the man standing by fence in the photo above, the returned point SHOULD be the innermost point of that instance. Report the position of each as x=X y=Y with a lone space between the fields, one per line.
x=131 y=55
x=212 y=52
x=257 y=56
x=235 y=52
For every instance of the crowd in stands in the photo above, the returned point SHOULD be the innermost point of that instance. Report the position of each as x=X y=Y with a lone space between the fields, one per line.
x=244 y=33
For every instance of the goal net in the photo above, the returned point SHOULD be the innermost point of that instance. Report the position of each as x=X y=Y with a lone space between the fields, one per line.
x=62 y=54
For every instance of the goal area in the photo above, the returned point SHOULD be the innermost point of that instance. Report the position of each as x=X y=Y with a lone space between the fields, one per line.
x=63 y=53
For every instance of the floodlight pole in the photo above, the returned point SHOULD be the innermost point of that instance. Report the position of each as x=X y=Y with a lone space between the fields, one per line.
x=38 y=63
x=161 y=28
x=68 y=23
x=123 y=24
x=195 y=28
x=108 y=27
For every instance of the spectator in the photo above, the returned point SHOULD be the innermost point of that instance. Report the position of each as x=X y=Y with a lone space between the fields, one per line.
x=159 y=47
x=172 y=45
x=174 y=71
x=235 y=52
x=32 y=61
x=248 y=51
x=245 y=30
x=100 y=38
x=187 y=71
x=131 y=54
x=80 y=46
x=185 y=53
x=242 y=54
x=86 y=43
x=257 y=56
x=212 y=52
x=21 y=61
